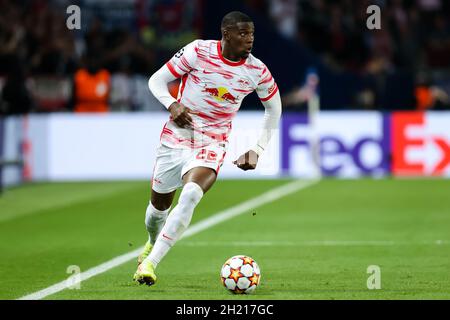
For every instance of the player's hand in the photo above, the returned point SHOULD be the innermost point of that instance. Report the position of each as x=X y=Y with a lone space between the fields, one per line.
x=247 y=161
x=181 y=115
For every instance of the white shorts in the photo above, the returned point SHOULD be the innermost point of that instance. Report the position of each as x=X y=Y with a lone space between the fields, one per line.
x=171 y=164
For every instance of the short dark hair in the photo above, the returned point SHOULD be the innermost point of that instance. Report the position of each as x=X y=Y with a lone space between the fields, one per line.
x=233 y=17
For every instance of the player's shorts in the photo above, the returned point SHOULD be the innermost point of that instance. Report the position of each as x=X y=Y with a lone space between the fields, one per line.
x=171 y=164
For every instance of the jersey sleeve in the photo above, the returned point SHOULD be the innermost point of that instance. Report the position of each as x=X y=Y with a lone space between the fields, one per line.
x=267 y=86
x=184 y=60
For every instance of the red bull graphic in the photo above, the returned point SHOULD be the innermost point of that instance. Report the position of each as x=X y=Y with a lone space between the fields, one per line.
x=212 y=91
x=229 y=97
x=221 y=94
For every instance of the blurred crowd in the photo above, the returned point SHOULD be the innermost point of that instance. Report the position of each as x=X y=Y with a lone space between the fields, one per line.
x=415 y=34
x=414 y=37
x=104 y=66
x=45 y=67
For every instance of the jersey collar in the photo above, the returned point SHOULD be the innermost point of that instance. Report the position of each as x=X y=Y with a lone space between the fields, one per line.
x=225 y=60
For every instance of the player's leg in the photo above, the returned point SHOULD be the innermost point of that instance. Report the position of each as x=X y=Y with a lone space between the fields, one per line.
x=198 y=174
x=197 y=182
x=202 y=176
x=155 y=217
x=156 y=213
x=166 y=179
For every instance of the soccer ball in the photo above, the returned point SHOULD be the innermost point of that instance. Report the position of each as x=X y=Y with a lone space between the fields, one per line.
x=240 y=274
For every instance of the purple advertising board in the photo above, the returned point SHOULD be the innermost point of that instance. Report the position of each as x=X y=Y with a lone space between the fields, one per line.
x=349 y=144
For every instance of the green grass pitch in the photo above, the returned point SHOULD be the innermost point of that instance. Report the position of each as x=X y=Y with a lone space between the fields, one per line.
x=313 y=244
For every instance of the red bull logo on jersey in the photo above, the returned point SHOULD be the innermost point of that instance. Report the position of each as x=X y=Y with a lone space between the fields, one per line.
x=221 y=94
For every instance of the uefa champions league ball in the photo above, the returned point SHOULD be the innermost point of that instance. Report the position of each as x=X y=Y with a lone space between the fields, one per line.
x=240 y=274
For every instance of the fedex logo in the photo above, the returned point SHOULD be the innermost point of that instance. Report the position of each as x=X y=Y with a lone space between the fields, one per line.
x=350 y=145
x=374 y=144
x=420 y=143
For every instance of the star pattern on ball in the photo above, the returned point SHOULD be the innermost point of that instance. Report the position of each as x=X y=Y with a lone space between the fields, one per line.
x=247 y=260
x=254 y=279
x=235 y=274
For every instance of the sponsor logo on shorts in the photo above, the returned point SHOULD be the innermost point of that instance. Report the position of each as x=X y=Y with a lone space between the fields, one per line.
x=208 y=156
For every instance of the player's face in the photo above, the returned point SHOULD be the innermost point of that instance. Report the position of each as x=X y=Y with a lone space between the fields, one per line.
x=241 y=39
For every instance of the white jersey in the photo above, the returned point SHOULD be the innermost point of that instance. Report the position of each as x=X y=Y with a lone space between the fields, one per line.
x=213 y=88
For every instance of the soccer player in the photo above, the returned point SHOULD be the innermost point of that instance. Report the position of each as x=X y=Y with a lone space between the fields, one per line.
x=215 y=78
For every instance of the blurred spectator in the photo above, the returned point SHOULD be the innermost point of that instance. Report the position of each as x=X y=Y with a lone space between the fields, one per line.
x=296 y=98
x=51 y=93
x=313 y=22
x=429 y=5
x=299 y=96
x=141 y=97
x=429 y=96
x=438 y=43
x=176 y=22
x=15 y=96
x=121 y=89
x=92 y=86
x=365 y=99
x=284 y=14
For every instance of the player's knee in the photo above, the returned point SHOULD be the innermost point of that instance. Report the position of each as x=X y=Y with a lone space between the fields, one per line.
x=162 y=201
x=153 y=213
x=161 y=204
x=203 y=177
x=190 y=195
x=189 y=198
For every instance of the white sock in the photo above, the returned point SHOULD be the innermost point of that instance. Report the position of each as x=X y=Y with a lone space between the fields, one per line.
x=154 y=221
x=177 y=222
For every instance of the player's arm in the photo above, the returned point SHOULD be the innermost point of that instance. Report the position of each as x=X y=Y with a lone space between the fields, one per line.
x=181 y=63
x=158 y=85
x=272 y=114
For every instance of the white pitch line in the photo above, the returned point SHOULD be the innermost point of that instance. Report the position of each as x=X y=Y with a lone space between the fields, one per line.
x=325 y=243
x=217 y=218
x=117 y=261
